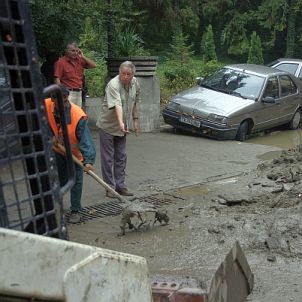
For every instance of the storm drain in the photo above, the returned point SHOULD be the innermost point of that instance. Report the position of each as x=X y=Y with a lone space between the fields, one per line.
x=114 y=208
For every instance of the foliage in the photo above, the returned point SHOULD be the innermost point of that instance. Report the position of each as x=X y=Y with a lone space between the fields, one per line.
x=55 y=23
x=255 y=51
x=208 y=46
x=142 y=27
x=92 y=38
x=128 y=43
x=95 y=78
x=189 y=22
x=234 y=35
x=198 y=68
x=277 y=22
x=178 y=71
x=210 y=67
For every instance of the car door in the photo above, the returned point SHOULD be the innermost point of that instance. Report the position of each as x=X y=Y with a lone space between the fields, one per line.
x=289 y=98
x=267 y=115
x=300 y=73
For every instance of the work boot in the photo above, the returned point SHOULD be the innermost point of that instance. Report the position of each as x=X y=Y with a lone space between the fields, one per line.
x=75 y=217
x=110 y=195
x=124 y=192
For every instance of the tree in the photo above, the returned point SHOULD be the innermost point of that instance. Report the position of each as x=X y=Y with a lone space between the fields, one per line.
x=179 y=72
x=92 y=39
x=255 y=50
x=279 y=19
x=55 y=23
x=294 y=9
x=180 y=52
x=209 y=52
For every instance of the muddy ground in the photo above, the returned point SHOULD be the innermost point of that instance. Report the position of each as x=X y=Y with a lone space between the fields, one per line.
x=257 y=202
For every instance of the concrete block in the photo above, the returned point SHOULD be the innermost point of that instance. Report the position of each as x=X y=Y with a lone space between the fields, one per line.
x=149 y=109
x=150 y=104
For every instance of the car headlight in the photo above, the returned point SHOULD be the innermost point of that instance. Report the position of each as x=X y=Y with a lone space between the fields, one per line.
x=173 y=106
x=217 y=118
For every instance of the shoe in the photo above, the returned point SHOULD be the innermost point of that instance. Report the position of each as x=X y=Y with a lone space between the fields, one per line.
x=75 y=217
x=124 y=192
x=110 y=195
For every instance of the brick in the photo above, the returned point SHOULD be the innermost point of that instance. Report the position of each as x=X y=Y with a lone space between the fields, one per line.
x=163 y=291
x=190 y=295
x=171 y=292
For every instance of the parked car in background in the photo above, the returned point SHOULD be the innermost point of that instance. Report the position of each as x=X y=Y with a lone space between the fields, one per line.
x=293 y=66
x=236 y=101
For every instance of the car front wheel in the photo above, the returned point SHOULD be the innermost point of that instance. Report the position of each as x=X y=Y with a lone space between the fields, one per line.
x=296 y=120
x=242 y=131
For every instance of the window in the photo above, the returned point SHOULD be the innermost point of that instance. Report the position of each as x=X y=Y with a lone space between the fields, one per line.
x=272 y=88
x=300 y=74
x=288 y=87
x=289 y=67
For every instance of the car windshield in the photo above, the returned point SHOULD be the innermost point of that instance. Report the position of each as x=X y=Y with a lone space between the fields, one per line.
x=235 y=82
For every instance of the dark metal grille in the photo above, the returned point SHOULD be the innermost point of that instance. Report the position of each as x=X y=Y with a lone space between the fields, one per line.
x=30 y=197
x=114 y=208
x=19 y=299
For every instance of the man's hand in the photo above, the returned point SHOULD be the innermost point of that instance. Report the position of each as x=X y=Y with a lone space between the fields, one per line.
x=87 y=167
x=123 y=128
x=55 y=141
x=136 y=127
x=80 y=53
x=90 y=63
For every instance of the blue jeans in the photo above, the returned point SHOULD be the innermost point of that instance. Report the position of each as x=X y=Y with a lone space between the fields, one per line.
x=76 y=190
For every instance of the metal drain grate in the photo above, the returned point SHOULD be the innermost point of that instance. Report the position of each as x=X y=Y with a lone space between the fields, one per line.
x=156 y=201
x=98 y=211
x=114 y=208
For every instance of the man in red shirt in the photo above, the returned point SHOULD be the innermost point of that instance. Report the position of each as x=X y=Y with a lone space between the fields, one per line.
x=69 y=71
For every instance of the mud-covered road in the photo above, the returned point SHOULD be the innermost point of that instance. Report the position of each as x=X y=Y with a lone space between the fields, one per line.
x=215 y=192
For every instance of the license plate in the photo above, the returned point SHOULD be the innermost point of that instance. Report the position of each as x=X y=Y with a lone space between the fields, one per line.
x=190 y=121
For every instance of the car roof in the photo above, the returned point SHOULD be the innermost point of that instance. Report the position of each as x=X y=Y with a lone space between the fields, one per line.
x=256 y=69
x=288 y=60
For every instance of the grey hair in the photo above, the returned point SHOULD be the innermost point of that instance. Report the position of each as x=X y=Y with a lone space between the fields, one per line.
x=128 y=64
x=71 y=44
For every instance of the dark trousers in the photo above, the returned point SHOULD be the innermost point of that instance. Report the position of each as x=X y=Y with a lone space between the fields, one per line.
x=113 y=159
x=76 y=190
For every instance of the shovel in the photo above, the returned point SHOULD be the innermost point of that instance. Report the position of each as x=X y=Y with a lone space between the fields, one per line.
x=128 y=211
x=96 y=177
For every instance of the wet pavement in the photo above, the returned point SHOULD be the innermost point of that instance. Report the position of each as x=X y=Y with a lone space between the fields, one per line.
x=163 y=160
x=200 y=176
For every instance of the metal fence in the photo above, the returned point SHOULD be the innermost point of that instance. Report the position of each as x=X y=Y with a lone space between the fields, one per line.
x=30 y=194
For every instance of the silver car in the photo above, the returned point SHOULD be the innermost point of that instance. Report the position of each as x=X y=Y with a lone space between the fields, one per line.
x=236 y=101
x=293 y=66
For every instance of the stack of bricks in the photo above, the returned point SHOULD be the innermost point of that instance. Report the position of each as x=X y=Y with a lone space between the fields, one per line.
x=171 y=292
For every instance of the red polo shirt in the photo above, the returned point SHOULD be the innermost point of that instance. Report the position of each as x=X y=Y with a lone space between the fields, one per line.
x=70 y=72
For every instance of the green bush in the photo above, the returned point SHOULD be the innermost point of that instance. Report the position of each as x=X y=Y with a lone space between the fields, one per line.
x=177 y=73
x=95 y=78
x=255 y=51
x=208 y=45
x=210 y=67
x=128 y=43
x=174 y=79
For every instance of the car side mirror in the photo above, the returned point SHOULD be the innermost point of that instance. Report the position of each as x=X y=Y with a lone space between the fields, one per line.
x=199 y=80
x=268 y=99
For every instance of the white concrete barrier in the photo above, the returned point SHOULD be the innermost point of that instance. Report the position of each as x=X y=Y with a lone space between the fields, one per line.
x=47 y=268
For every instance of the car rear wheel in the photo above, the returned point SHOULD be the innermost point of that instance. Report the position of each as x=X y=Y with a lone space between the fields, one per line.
x=242 y=131
x=296 y=120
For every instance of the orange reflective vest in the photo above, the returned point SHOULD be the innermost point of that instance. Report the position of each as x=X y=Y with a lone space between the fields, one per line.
x=76 y=113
